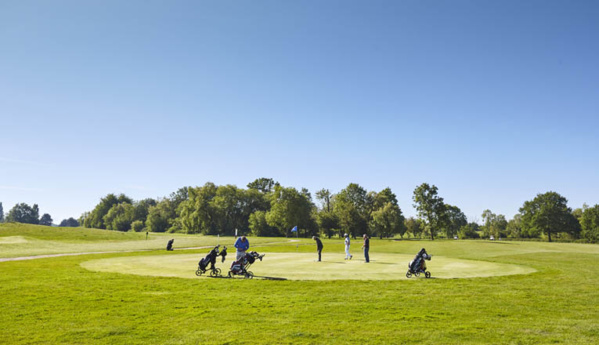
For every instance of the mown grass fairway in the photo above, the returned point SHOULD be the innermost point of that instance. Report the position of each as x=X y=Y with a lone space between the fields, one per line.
x=58 y=300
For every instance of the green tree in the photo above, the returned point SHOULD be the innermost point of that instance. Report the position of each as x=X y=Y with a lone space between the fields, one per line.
x=414 y=226
x=46 y=220
x=196 y=214
x=259 y=225
x=590 y=223
x=95 y=219
x=324 y=196
x=455 y=220
x=388 y=221
x=430 y=208
x=327 y=221
x=1 y=213
x=228 y=205
x=137 y=225
x=23 y=213
x=263 y=185
x=495 y=224
x=352 y=209
x=514 y=227
x=69 y=223
x=179 y=196
x=289 y=208
x=549 y=214
x=161 y=216
x=120 y=217
x=469 y=230
x=142 y=208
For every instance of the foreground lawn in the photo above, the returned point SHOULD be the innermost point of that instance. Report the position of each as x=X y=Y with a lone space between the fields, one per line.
x=56 y=300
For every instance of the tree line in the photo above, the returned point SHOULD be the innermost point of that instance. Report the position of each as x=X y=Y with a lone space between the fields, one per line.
x=265 y=208
x=23 y=213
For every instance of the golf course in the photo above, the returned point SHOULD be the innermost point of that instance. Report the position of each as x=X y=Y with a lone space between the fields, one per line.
x=87 y=286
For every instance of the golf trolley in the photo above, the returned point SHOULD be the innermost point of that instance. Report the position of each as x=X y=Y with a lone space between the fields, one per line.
x=418 y=265
x=210 y=259
x=241 y=267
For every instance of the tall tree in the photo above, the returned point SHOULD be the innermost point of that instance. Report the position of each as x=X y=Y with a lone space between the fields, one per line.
x=469 y=230
x=259 y=225
x=197 y=214
x=456 y=219
x=414 y=226
x=95 y=219
x=388 y=221
x=23 y=213
x=70 y=223
x=430 y=207
x=1 y=213
x=590 y=223
x=46 y=219
x=263 y=185
x=229 y=208
x=549 y=214
x=352 y=209
x=179 y=196
x=290 y=208
x=142 y=207
x=324 y=196
x=161 y=217
x=495 y=224
x=120 y=217
x=514 y=227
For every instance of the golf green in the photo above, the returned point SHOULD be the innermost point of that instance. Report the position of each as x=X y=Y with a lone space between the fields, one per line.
x=303 y=266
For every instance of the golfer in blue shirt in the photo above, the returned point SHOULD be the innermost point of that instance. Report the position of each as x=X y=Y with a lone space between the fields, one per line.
x=242 y=244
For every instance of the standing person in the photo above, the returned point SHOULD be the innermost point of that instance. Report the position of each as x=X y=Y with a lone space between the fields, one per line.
x=348 y=256
x=366 y=247
x=242 y=244
x=318 y=246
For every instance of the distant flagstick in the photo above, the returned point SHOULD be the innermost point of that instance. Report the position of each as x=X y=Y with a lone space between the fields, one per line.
x=296 y=236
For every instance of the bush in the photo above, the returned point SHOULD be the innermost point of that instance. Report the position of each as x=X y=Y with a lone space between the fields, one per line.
x=137 y=225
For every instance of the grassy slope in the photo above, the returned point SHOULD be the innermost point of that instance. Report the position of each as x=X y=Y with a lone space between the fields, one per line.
x=57 y=301
x=25 y=240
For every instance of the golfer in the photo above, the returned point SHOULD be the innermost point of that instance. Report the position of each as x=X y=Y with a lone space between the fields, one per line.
x=318 y=246
x=366 y=247
x=242 y=244
x=348 y=256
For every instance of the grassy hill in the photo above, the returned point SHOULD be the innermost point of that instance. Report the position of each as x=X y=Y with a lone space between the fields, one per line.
x=57 y=300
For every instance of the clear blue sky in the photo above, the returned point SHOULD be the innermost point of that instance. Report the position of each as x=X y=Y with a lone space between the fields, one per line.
x=491 y=101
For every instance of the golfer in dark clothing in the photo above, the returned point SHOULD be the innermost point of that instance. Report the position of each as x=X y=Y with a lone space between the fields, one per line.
x=366 y=247
x=318 y=246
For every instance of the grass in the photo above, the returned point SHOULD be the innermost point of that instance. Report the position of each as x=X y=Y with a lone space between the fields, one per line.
x=57 y=300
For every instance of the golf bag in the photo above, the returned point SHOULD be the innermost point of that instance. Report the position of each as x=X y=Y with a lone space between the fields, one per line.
x=418 y=265
x=241 y=267
x=210 y=259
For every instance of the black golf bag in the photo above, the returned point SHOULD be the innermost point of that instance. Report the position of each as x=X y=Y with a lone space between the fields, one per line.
x=418 y=265
x=240 y=267
x=209 y=259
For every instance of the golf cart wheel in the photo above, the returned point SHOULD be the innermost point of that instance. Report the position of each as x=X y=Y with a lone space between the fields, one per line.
x=199 y=273
x=215 y=272
x=249 y=275
x=417 y=274
x=409 y=274
x=427 y=274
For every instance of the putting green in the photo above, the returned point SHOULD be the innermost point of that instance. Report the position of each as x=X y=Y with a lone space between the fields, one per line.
x=302 y=266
